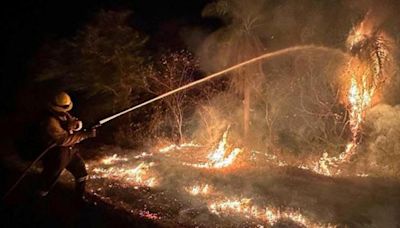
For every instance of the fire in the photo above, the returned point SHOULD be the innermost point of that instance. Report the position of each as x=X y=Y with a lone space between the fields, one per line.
x=359 y=36
x=134 y=176
x=367 y=74
x=198 y=189
x=219 y=158
x=167 y=148
x=143 y=155
x=235 y=206
x=113 y=159
x=325 y=164
x=371 y=54
x=173 y=147
x=360 y=99
x=270 y=215
x=360 y=95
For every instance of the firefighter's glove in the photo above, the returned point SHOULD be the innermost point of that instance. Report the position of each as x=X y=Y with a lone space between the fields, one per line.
x=91 y=133
x=74 y=125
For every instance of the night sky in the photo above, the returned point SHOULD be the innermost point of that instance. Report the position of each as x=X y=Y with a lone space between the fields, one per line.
x=26 y=25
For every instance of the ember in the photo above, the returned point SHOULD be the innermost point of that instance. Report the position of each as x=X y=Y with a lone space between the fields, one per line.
x=149 y=215
x=132 y=176
x=270 y=215
x=173 y=147
x=113 y=159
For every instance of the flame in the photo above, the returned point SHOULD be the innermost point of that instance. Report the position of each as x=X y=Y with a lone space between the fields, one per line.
x=167 y=148
x=360 y=96
x=270 y=215
x=113 y=159
x=236 y=206
x=134 y=176
x=358 y=36
x=360 y=99
x=367 y=69
x=362 y=88
x=198 y=189
x=143 y=155
x=325 y=164
x=218 y=158
x=173 y=147
x=361 y=34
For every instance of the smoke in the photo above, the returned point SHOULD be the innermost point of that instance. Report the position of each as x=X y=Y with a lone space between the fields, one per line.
x=380 y=146
x=276 y=24
x=296 y=107
x=294 y=91
x=380 y=151
x=376 y=12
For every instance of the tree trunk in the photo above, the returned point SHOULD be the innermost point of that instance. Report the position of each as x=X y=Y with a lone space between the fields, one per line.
x=180 y=133
x=246 y=108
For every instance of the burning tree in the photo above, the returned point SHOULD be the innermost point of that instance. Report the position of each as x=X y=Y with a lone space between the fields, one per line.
x=170 y=72
x=367 y=71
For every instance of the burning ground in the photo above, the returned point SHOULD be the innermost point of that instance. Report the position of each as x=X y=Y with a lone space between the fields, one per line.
x=173 y=186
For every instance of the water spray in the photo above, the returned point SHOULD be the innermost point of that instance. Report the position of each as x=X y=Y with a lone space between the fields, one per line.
x=212 y=76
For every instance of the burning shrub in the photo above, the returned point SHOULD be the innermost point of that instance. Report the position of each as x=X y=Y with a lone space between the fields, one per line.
x=213 y=116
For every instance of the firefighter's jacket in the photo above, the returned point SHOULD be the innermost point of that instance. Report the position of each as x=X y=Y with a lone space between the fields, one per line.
x=58 y=131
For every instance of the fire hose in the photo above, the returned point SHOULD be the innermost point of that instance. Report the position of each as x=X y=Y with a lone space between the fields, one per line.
x=26 y=171
x=187 y=86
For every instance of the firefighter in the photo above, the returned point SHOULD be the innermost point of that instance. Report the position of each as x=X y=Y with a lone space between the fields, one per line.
x=64 y=130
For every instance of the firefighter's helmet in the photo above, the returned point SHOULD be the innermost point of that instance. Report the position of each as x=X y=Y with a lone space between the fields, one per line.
x=61 y=102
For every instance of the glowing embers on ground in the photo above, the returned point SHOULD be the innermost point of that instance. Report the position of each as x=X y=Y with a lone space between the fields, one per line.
x=109 y=160
x=325 y=165
x=157 y=203
x=220 y=158
x=139 y=175
x=270 y=215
